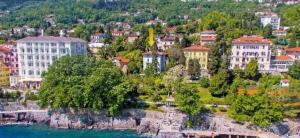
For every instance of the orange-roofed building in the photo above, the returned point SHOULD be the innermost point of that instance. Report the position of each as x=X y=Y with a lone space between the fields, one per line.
x=281 y=63
x=245 y=48
x=171 y=30
x=279 y=33
x=197 y=52
x=208 y=37
x=293 y=52
x=122 y=63
x=117 y=33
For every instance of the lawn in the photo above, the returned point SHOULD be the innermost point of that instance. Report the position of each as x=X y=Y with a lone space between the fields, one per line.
x=205 y=95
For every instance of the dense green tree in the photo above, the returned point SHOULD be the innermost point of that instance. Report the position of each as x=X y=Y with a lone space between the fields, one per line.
x=185 y=97
x=175 y=57
x=81 y=82
x=194 y=68
x=204 y=82
x=267 y=31
x=218 y=85
x=294 y=70
x=135 y=65
x=258 y=109
x=185 y=42
x=251 y=70
x=214 y=59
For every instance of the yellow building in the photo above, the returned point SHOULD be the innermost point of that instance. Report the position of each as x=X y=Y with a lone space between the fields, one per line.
x=197 y=52
x=4 y=75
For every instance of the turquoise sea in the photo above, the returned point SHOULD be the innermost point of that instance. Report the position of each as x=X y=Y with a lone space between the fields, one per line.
x=42 y=131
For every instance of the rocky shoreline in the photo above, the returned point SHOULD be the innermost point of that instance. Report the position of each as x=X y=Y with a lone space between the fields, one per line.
x=168 y=124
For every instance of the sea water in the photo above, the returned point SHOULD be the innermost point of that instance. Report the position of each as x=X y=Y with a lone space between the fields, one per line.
x=42 y=131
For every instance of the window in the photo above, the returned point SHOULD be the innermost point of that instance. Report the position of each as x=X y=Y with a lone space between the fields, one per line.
x=37 y=64
x=30 y=64
x=53 y=44
x=29 y=50
x=53 y=50
x=30 y=72
x=62 y=50
x=37 y=57
x=29 y=57
x=36 y=50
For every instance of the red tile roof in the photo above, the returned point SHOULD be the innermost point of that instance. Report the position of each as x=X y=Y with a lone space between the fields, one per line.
x=123 y=60
x=295 y=49
x=196 y=48
x=282 y=58
x=285 y=81
x=4 y=49
x=251 y=39
x=171 y=29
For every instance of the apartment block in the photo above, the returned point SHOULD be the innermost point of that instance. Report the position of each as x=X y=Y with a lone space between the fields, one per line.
x=251 y=47
x=36 y=54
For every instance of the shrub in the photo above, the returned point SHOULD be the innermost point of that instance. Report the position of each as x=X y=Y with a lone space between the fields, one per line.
x=204 y=82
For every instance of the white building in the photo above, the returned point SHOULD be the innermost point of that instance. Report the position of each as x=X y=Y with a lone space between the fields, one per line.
x=281 y=63
x=161 y=60
x=270 y=18
x=285 y=83
x=36 y=54
x=251 y=47
x=164 y=43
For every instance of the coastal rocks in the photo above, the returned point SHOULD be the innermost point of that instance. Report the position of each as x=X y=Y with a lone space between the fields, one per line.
x=90 y=119
x=145 y=122
x=146 y=126
x=33 y=117
x=170 y=134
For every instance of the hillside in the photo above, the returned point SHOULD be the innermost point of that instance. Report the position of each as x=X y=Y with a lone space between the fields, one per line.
x=67 y=12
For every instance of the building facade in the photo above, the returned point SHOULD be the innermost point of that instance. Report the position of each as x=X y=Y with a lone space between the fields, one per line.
x=197 y=52
x=208 y=37
x=293 y=53
x=164 y=43
x=9 y=56
x=251 y=47
x=281 y=63
x=161 y=60
x=36 y=54
x=4 y=75
x=270 y=18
